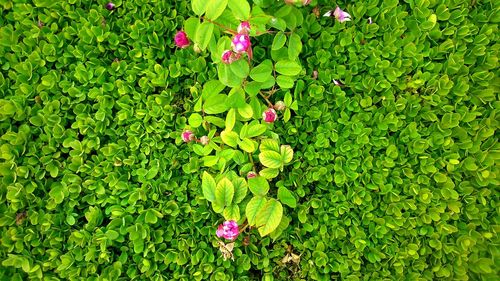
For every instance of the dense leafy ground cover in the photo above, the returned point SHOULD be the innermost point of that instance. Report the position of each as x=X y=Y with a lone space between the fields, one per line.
x=394 y=168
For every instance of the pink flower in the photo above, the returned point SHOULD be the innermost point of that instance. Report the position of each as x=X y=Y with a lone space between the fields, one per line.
x=243 y=28
x=188 y=136
x=340 y=15
x=181 y=39
x=306 y=2
x=228 y=229
x=110 y=6
x=240 y=43
x=269 y=115
x=229 y=57
x=251 y=175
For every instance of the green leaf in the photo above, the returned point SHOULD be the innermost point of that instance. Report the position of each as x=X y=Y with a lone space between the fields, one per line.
x=285 y=221
x=253 y=208
x=285 y=82
x=230 y=119
x=285 y=196
x=269 y=173
x=247 y=145
x=245 y=111
x=269 y=217
x=215 y=104
x=240 y=9
x=278 y=41
x=270 y=159
x=230 y=138
x=208 y=187
x=262 y=72
x=286 y=153
x=269 y=144
x=215 y=8
x=294 y=46
x=236 y=98
x=195 y=120
x=150 y=217
x=287 y=67
x=258 y=186
x=255 y=130
x=232 y=213
x=240 y=190
x=199 y=6
x=240 y=68
x=224 y=192
x=204 y=34
x=190 y=27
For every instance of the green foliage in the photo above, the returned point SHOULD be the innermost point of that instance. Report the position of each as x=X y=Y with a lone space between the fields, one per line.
x=391 y=175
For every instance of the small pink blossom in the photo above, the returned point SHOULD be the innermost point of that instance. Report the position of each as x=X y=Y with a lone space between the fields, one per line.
x=229 y=57
x=188 y=136
x=243 y=28
x=228 y=229
x=340 y=15
x=251 y=175
x=110 y=6
x=240 y=43
x=181 y=39
x=269 y=115
x=279 y=106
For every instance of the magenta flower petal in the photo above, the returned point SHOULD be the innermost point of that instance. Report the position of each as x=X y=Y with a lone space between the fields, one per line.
x=269 y=115
x=228 y=230
x=240 y=43
x=251 y=175
x=187 y=136
x=181 y=39
x=243 y=28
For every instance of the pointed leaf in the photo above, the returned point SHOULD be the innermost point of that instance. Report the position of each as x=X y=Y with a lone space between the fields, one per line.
x=286 y=153
x=256 y=130
x=224 y=192
x=270 y=159
x=269 y=217
x=230 y=119
x=208 y=187
x=269 y=144
x=215 y=8
x=240 y=190
x=240 y=9
x=204 y=34
x=230 y=138
x=253 y=208
x=232 y=213
x=285 y=196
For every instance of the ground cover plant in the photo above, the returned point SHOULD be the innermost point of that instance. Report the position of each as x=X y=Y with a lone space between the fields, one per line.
x=249 y=140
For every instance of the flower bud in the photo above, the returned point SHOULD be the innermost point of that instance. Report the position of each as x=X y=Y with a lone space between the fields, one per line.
x=229 y=57
x=251 y=175
x=110 y=6
x=279 y=106
x=181 y=39
x=269 y=115
x=204 y=140
x=188 y=136
x=240 y=43
x=243 y=28
x=196 y=48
